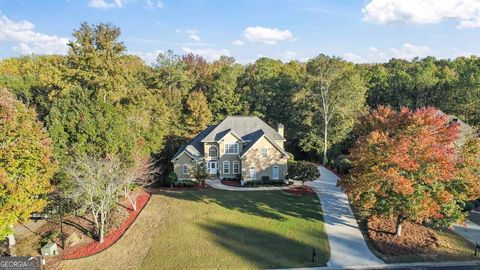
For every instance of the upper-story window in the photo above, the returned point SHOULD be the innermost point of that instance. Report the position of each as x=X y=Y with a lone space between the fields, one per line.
x=264 y=152
x=213 y=151
x=231 y=148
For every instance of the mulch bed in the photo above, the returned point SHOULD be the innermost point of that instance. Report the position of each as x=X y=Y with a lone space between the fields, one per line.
x=415 y=239
x=231 y=183
x=95 y=247
x=300 y=190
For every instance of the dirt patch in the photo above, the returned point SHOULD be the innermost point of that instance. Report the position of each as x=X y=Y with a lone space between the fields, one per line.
x=417 y=243
x=416 y=238
x=300 y=190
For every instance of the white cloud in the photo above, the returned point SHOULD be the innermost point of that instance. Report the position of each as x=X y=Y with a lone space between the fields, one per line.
x=28 y=41
x=467 y=12
x=149 y=57
x=191 y=33
x=409 y=51
x=208 y=53
x=266 y=35
x=352 y=57
x=289 y=55
x=103 y=4
x=238 y=42
x=151 y=5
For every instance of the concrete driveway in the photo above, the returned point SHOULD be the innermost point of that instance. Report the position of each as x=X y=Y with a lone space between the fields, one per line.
x=347 y=245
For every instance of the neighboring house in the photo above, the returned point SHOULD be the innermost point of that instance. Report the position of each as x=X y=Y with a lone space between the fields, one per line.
x=465 y=131
x=241 y=147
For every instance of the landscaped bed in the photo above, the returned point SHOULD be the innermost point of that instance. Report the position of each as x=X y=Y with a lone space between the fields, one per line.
x=218 y=229
x=416 y=244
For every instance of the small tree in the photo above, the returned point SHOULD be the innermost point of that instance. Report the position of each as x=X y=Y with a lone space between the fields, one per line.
x=137 y=176
x=303 y=171
x=200 y=174
x=405 y=166
x=96 y=184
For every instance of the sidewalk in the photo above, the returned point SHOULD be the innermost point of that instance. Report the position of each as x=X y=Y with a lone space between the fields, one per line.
x=347 y=245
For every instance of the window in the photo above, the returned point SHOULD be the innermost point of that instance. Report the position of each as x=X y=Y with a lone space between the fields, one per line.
x=253 y=173
x=236 y=167
x=185 y=169
x=275 y=173
x=231 y=148
x=226 y=167
x=213 y=151
x=264 y=152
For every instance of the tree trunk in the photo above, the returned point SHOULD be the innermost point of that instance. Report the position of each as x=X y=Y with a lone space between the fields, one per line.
x=102 y=228
x=325 y=143
x=399 y=226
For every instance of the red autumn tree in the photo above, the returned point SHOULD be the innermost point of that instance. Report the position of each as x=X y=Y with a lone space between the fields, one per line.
x=404 y=165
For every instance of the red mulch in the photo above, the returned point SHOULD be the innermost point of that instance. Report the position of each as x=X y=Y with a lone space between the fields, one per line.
x=300 y=190
x=231 y=183
x=95 y=247
x=415 y=239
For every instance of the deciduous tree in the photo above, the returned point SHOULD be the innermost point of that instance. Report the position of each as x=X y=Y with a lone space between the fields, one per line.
x=26 y=163
x=404 y=166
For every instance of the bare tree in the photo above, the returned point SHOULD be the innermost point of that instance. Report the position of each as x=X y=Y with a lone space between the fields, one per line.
x=96 y=184
x=139 y=175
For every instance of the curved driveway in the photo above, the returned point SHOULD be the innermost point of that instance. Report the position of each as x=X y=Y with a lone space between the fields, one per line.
x=347 y=245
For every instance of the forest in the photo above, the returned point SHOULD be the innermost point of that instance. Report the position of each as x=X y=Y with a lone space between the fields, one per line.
x=100 y=101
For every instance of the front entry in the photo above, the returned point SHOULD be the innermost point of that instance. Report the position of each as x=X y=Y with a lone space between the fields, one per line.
x=212 y=167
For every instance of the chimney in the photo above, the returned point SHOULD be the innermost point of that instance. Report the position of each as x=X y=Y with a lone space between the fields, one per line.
x=280 y=130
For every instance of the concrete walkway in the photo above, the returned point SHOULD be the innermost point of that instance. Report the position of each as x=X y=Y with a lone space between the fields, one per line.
x=218 y=185
x=347 y=245
x=470 y=230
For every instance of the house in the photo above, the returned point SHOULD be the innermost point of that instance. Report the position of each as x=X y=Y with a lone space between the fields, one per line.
x=240 y=147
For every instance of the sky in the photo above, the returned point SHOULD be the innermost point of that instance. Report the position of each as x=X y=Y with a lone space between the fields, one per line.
x=357 y=30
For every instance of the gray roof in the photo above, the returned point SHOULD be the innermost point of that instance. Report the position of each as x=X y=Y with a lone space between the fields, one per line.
x=249 y=128
x=195 y=146
x=244 y=126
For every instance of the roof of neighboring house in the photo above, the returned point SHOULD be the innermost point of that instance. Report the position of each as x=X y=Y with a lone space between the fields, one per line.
x=194 y=147
x=464 y=130
x=244 y=126
x=247 y=128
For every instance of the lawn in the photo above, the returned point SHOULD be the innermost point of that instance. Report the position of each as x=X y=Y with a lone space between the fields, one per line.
x=217 y=229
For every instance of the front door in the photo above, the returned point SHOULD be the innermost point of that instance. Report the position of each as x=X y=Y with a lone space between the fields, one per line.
x=213 y=167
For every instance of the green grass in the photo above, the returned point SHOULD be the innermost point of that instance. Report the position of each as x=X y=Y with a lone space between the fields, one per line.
x=217 y=229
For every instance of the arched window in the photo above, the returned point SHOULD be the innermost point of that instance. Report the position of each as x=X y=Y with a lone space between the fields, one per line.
x=213 y=151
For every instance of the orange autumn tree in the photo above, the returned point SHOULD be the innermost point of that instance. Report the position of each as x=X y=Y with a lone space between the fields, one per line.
x=404 y=165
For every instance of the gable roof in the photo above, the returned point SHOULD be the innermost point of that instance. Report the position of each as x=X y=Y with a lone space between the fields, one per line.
x=244 y=126
x=194 y=147
x=257 y=136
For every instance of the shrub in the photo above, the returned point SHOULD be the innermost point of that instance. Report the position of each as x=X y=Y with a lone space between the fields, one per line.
x=171 y=178
x=265 y=178
x=49 y=237
x=303 y=171
x=343 y=164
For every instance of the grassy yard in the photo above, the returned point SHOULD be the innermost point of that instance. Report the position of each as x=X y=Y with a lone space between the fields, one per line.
x=216 y=229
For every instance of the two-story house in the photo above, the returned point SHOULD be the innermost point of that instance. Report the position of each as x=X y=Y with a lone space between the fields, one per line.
x=242 y=147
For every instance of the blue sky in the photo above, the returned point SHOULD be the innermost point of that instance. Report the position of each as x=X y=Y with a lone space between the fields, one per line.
x=358 y=30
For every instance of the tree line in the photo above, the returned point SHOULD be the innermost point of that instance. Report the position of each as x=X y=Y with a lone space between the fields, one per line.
x=99 y=103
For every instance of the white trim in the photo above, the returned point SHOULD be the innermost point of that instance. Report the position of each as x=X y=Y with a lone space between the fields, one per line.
x=266 y=152
x=271 y=142
x=278 y=172
x=254 y=177
x=225 y=147
x=184 y=169
x=183 y=152
x=227 y=163
x=215 y=148
x=238 y=167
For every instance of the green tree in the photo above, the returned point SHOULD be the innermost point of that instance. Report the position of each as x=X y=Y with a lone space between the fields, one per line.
x=333 y=96
x=198 y=115
x=303 y=171
x=200 y=174
x=26 y=163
